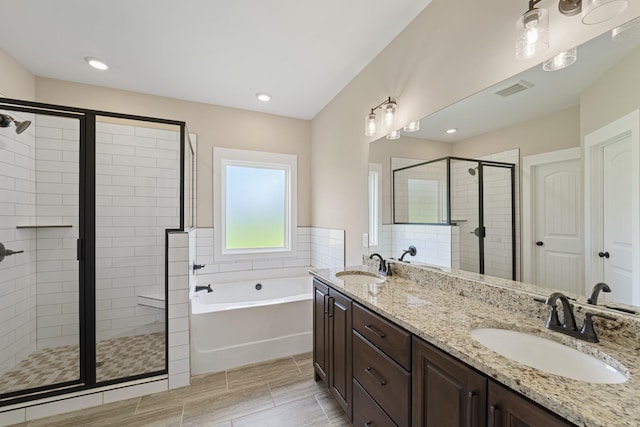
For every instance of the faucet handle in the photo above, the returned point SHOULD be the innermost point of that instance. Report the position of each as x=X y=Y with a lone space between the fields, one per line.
x=588 y=331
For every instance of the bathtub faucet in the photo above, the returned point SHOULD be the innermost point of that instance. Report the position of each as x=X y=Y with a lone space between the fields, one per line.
x=204 y=288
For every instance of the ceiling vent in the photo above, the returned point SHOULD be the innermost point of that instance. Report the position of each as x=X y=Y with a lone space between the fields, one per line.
x=514 y=88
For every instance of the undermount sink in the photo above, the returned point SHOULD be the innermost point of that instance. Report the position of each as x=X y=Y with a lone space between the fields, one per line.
x=359 y=277
x=548 y=356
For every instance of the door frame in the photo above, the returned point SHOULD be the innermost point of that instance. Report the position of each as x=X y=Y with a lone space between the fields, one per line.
x=626 y=126
x=529 y=165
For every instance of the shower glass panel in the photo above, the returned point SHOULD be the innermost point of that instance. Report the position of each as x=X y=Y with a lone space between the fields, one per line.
x=420 y=193
x=39 y=270
x=137 y=200
x=465 y=211
x=498 y=220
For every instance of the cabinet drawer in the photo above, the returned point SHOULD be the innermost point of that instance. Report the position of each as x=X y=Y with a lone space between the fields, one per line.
x=384 y=334
x=366 y=412
x=387 y=382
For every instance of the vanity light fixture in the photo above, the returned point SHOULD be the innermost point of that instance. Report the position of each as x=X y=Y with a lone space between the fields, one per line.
x=394 y=134
x=96 y=63
x=412 y=126
x=532 y=31
x=561 y=60
x=389 y=109
x=264 y=97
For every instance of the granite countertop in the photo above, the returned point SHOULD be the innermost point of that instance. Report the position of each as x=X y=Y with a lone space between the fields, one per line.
x=442 y=309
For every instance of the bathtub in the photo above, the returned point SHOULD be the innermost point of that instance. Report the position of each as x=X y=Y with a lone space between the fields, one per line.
x=251 y=321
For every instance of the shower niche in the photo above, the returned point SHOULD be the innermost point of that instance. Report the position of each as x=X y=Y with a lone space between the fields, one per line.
x=87 y=200
x=475 y=198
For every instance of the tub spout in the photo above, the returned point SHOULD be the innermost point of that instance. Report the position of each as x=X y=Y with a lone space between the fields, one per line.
x=204 y=288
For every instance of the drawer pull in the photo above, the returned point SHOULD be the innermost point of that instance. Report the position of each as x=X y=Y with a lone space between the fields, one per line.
x=375 y=330
x=493 y=414
x=471 y=395
x=376 y=375
x=331 y=306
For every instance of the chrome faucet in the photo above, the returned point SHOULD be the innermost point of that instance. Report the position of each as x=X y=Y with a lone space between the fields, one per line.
x=384 y=267
x=568 y=325
x=595 y=292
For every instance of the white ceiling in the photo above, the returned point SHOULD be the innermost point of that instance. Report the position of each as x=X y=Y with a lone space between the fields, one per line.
x=218 y=52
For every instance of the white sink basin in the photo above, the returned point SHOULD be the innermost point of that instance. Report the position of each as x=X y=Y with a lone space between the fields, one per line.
x=359 y=277
x=548 y=356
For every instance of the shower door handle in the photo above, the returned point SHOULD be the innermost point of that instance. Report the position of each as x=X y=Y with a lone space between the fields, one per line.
x=79 y=250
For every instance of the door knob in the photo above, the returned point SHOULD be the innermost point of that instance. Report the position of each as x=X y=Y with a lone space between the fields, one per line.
x=539 y=243
x=603 y=254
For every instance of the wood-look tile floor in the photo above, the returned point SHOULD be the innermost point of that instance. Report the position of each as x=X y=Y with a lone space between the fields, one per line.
x=278 y=393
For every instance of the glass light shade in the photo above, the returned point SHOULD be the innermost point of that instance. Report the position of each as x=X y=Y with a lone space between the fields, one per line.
x=394 y=134
x=532 y=33
x=626 y=32
x=389 y=113
x=412 y=126
x=561 y=60
x=370 y=124
x=597 y=11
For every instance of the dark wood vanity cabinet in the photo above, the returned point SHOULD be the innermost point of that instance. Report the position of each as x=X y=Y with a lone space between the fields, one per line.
x=507 y=408
x=381 y=370
x=332 y=343
x=445 y=391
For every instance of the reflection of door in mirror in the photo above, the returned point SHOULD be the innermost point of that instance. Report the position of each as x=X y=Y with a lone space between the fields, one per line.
x=553 y=181
x=612 y=158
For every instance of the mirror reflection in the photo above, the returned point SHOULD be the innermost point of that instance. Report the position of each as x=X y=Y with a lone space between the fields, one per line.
x=570 y=135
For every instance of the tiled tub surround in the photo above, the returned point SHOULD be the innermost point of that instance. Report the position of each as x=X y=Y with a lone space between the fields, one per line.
x=443 y=308
x=316 y=247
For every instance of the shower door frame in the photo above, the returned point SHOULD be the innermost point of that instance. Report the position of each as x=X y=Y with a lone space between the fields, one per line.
x=448 y=189
x=86 y=247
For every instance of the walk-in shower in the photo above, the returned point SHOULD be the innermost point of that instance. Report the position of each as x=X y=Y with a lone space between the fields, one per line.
x=476 y=197
x=86 y=200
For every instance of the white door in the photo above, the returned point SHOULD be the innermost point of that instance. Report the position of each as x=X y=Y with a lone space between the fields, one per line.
x=558 y=227
x=616 y=253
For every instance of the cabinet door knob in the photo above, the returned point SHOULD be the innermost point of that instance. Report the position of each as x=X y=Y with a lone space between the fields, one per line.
x=603 y=254
x=539 y=243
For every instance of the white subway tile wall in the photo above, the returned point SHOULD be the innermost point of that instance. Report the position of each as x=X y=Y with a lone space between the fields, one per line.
x=180 y=248
x=137 y=198
x=17 y=272
x=317 y=247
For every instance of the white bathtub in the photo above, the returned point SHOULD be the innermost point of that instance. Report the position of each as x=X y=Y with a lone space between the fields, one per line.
x=237 y=324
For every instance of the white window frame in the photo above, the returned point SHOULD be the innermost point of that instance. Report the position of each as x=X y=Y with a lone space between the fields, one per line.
x=223 y=157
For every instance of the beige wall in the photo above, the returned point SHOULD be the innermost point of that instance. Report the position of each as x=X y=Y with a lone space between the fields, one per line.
x=15 y=80
x=615 y=94
x=555 y=131
x=214 y=125
x=450 y=51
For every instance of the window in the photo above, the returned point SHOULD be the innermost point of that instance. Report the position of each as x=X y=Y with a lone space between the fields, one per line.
x=254 y=204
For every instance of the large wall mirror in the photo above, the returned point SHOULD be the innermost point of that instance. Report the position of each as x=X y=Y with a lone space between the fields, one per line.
x=572 y=136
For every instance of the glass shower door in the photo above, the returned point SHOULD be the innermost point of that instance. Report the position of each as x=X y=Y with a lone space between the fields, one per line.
x=39 y=270
x=465 y=211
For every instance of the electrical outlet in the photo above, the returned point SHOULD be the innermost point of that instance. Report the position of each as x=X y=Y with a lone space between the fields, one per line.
x=365 y=240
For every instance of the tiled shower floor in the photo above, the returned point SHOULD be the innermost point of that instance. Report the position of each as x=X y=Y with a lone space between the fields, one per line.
x=117 y=358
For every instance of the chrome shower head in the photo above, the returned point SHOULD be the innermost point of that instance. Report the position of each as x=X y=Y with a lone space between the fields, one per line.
x=6 y=120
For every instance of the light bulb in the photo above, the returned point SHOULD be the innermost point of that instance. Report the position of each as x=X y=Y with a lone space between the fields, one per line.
x=533 y=33
x=389 y=113
x=394 y=134
x=370 y=124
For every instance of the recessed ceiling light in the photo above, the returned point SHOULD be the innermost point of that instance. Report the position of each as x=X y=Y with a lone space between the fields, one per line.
x=452 y=130
x=96 y=63
x=264 y=97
